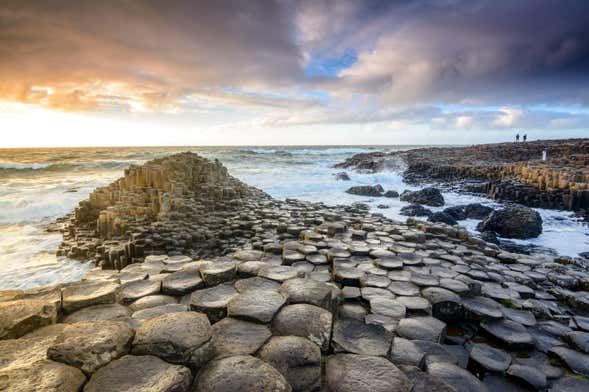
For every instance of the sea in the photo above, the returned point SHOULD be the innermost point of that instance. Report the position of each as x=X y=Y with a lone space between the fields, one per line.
x=39 y=185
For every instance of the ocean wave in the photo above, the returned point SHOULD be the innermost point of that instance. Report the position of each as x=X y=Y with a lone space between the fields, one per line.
x=24 y=166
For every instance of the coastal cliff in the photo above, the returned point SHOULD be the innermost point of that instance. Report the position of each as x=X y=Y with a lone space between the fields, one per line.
x=512 y=172
x=291 y=295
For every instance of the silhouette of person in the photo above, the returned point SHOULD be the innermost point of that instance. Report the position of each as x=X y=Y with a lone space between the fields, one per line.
x=525 y=137
x=517 y=137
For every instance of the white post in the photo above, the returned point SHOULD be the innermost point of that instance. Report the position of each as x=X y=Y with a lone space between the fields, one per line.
x=544 y=155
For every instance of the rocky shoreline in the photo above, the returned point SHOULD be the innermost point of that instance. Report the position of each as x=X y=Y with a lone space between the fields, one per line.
x=206 y=284
x=506 y=172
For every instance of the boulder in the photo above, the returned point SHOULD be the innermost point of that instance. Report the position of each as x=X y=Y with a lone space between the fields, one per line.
x=242 y=373
x=140 y=373
x=456 y=212
x=513 y=221
x=342 y=176
x=352 y=373
x=366 y=190
x=297 y=359
x=181 y=338
x=442 y=217
x=427 y=196
x=391 y=194
x=415 y=210
x=477 y=211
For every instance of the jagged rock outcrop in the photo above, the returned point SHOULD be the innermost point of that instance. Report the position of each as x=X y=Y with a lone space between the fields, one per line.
x=513 y=221
x=505 y=171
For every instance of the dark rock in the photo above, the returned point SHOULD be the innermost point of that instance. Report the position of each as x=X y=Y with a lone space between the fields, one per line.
x=307 y=291
x=457 y=212
x=456 y=377
x=442 y=217
x=425 y=382
x=213 y=301
x=355 y=337
x=258 y=306
x=489 y=358
x=342 y=176
x=477 y=211
x=308 y=321
x=570 y=384
x=528 y=375
x=238 y=337
x=513 y=335
x=422 y=328
x=426 y=196
x=366 y=190
x=406 y=352
x=415 y=210
x=574 y=360
x=391 y=194
x=514 y=221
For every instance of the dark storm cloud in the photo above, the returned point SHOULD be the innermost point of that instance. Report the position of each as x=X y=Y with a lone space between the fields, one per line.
x=84 y=55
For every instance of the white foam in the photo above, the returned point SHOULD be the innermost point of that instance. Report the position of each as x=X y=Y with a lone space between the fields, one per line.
x=24 y=166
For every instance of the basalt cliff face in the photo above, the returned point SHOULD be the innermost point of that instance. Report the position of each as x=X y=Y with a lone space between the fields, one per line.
x=181 y=203
x=512 y=172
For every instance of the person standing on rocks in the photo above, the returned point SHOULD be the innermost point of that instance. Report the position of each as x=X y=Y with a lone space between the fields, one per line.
x=525 y=137
x=517 y=138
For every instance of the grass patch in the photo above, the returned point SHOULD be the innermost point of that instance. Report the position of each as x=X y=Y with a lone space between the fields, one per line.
x=508 y=303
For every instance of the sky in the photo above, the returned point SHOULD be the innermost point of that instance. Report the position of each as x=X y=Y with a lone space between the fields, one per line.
x=276 y=72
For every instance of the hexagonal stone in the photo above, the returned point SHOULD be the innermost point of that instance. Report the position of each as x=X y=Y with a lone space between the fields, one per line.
x=356 y=337
x=279 y=273
x=140 y=373
x=527 y=375
x=352 y=373
x=424 y=280
x=524 y=317
x=353 y=311
x=496 y=292
x=574 y=360
x=406 y=352
x=89 y=345
x=132 y=291
x=579 y=340
x=140 y=316
x=425 y=382
x=248 y=255
x=455 y=285
x=373 y=280
x=182 y=282
x=84 y=294
x=240 y=373
x=44 y=375
x=446 y=305
x=513 y=335
x=250 y=268
x=387 y=307
x=258 y=306
x=317 y=259
x=407 y=289
x=415 y=304
x=389 y=263
x=456 y=377
x=489 y=358
x=297 y=359
x=256 y=284
x=308 y=291
x=422 y=328
x=570 y=384
x=554 y=328
x=481 y=308
x=182 y=338
x=213 y=301
x=349 y=276
x=237 y=337
x=152 y=301
x=20 y=317
x=309 y=321
x=218 y=272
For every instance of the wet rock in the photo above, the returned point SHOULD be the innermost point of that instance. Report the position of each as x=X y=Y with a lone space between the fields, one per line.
x=391 y=194
x=20 y=317
x=415 y=210
x=351 y=373
x=181 y=338
x=218 y=272
x=427 y=196
x=514 y=221
x=182 y=282
x=366 y=190
x=342 y=176
x=489 y=358
x=258 y=306
x=132 y=291
x=89 y=345
x=528 y=375
x=240 y=373
x=309 y=321
x=511 y=334
x=297 y=359
x=238 y=337
x=477 y=211
x=355 y=337
x=457 y=212
x=442 y=217
x=574 y=360
x=86 y=294
x=140 y=373
x=422 y=328
x=456 y=377
x=213 y=301
x=307 y=291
